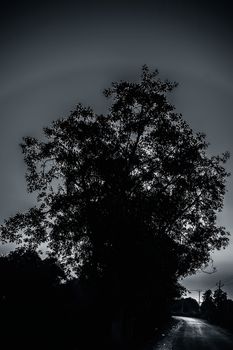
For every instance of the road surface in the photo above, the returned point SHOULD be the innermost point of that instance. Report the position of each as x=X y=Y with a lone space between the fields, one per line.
x=195 y=334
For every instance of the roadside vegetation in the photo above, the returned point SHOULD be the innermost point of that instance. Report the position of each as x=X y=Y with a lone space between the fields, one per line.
x=126 y=205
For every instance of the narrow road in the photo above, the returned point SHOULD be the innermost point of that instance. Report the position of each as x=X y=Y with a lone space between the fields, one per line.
x=195 y=334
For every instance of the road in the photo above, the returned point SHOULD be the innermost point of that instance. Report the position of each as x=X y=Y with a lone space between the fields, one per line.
x=195 y=334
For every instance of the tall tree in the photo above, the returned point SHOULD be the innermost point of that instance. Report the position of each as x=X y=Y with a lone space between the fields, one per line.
x=208 y=307
x=131 y=196
x=208 y=296
x=219 y=298
x=96 y=175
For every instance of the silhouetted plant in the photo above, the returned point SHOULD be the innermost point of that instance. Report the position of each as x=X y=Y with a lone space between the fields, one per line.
x=128 y=199
x=30 y=300
x=217 y=308
x=208 y=308
x=185 y=306
x=219 y=298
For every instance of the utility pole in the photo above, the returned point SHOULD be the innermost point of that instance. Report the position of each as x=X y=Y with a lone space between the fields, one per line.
x=218 y=296
x=199 y=295
x=219 y=285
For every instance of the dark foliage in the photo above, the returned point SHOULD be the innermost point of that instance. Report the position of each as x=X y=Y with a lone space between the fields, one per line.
x=185 y=307
x=40 y=309
x=217 y=308
x=127 y=201
x=208 y=307
x=29 y=299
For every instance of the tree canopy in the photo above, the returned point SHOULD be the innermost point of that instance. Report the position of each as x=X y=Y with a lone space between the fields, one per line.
x=127 y=191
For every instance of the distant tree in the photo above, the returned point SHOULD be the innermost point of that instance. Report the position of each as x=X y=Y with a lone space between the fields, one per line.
x=30 y=301
x=208 y=296
x=25 y=277
x=208 y=307
x=191 y=306
x=130 y=197
x=217 y=307
x=185 y=306
x=219 y=298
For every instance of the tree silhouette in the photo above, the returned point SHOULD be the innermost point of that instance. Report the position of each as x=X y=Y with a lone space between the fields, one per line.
x=208 y=296
x=29 y=299
x=219 y=298
x=217 y=308
x=185 y=306
x=25 y=276
x=208 y=307
x=128 y=198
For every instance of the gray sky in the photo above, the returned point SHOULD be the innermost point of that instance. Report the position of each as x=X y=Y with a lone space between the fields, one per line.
x=55 y=55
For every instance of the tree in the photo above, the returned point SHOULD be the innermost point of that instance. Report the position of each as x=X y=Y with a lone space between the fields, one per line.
x=185 y=306
x=216 y=307
x=219 y=298
x=30 y=299
x=130 y=197
x=207 y=296
x=28 y=273
x=208 y=306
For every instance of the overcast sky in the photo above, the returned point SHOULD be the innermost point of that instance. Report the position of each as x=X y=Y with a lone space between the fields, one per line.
x=58 y=54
